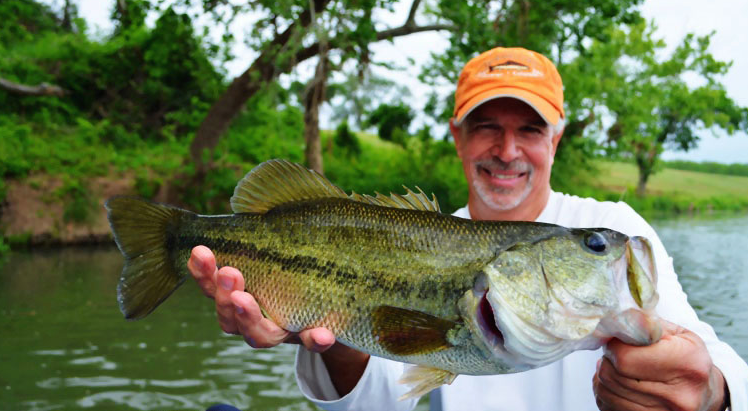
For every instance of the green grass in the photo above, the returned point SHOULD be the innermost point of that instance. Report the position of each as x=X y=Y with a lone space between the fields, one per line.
x=669 y=191
x=620 y=176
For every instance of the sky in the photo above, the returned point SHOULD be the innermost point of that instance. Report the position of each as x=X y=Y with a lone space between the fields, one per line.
x=674 y=19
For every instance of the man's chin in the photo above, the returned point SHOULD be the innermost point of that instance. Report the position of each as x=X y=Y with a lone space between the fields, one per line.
x=500 y=200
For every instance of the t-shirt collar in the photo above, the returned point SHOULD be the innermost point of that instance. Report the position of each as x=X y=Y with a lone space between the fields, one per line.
x=464 y=212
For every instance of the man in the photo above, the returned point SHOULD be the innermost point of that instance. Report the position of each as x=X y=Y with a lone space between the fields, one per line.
x=507 y=123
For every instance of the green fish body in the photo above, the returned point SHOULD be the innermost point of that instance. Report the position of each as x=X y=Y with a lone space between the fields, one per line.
x=393 y=277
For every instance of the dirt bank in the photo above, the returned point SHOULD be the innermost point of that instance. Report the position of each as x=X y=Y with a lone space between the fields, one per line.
x=33 y=214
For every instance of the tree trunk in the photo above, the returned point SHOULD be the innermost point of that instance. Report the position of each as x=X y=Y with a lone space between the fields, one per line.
x=313 y=99
x=645 y=160
x=641 y=186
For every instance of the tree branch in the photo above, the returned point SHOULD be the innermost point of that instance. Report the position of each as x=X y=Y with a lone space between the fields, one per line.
x=44 y=89
x=403 y=30
x=411 y=21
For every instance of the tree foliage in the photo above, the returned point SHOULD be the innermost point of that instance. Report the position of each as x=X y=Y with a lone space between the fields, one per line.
x=148 y=81
x=392 y=122
x=346 y=140
x=646 y=93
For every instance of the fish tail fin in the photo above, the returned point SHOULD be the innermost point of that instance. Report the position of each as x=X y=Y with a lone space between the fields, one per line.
x=145 y=233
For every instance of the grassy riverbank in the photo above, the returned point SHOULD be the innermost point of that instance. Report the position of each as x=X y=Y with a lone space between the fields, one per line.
x=670 y=191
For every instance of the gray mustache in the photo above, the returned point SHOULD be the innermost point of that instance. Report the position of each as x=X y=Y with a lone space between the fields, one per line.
x=497 y=164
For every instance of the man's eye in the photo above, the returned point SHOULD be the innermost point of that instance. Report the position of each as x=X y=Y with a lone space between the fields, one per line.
x=487 y=126
x=532 y=130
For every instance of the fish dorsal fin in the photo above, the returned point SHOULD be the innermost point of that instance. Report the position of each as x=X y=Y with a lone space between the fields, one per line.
x=277 y=182
x=411 y=200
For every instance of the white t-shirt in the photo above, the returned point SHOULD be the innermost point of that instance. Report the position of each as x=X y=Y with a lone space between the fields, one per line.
x=565 y=385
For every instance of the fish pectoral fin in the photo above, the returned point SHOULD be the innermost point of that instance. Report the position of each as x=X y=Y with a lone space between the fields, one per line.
x=401 y=331
x=423 y=379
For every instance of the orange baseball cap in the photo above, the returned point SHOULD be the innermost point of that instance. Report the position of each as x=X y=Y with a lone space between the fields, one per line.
x=510 y=72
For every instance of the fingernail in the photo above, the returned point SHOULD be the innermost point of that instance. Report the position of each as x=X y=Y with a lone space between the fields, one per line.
x=239 y=310
x=226 y=282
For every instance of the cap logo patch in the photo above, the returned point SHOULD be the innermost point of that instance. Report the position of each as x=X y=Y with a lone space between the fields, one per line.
x=509 y=65
x=509 y=68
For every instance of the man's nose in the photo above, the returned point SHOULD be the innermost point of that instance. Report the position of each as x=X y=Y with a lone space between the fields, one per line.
x=505 y=147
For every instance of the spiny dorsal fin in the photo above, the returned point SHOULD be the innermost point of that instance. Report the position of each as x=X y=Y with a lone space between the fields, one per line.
x=277 y=182
x=411 y=200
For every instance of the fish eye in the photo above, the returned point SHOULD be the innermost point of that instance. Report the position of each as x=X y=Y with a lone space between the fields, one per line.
x=596 y=242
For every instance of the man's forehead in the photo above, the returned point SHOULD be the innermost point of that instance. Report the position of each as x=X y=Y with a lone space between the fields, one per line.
x=494 y=109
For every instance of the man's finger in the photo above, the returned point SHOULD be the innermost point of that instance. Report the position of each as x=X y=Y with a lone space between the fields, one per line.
x=229 y=279
x=317 y=339
x=608 y=400
x=258 y=331
x=636 y=391
x=661 y=361
x=202 y=266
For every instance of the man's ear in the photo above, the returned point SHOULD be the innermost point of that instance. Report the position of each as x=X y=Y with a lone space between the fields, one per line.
x=455 y=130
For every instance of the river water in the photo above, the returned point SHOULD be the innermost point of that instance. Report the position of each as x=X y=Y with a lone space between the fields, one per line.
x=65 y=346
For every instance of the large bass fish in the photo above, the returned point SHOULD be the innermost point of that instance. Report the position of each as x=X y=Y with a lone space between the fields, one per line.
x=393 y=277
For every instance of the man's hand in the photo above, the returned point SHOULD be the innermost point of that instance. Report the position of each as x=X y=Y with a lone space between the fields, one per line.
x=676 y=373
x=238 y=313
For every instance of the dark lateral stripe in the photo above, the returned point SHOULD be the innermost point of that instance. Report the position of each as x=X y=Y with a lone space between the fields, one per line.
x=297 y=263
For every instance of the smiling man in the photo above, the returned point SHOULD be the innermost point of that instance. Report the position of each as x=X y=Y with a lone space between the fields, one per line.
x=507 y=123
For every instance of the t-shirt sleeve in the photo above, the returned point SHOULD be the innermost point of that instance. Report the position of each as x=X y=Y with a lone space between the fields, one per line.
x=377 y=389
x=673 y=306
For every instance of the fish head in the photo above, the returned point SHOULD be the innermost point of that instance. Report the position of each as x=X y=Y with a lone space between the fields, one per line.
x=574 y=289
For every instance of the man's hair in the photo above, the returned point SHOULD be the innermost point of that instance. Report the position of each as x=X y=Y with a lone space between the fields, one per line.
x=558 y=128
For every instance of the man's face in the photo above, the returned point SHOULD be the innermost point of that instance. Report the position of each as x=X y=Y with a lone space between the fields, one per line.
x=507 y=152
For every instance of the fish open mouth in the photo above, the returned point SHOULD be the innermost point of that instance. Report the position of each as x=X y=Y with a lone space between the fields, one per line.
x=487 y=321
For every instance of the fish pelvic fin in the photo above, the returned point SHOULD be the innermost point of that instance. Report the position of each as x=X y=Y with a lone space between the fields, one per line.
x=144 y=231
x=277 y=182
x=423 y=379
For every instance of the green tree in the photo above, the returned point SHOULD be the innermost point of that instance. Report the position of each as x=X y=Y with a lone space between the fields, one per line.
x=652 y=105
x=357 y=95
x=392 y=122
x=346 y=140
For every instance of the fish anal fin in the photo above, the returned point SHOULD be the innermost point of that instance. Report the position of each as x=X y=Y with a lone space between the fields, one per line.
x=402 y=331
x=423 y=379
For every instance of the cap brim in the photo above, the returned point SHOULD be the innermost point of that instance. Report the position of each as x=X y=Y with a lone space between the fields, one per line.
x=549 y=113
